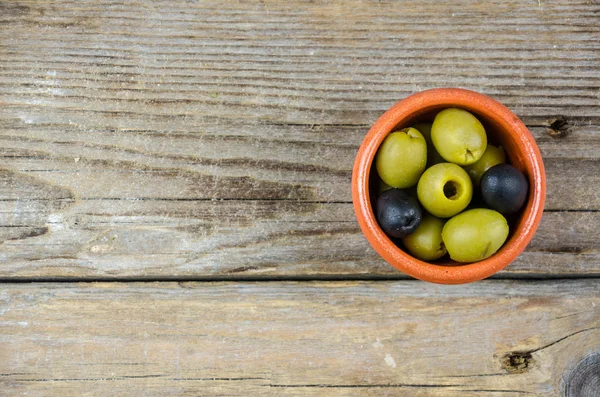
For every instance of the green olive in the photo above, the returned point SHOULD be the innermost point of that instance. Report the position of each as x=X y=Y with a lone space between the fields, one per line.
x=458 y=136
x=444 y=190
x=433 y=157
x=425 y=243
x=401 y=158
x=492 y=156
x=475 y=234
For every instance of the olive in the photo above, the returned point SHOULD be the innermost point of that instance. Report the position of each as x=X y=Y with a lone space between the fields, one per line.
x=397 y=213
x=458 y=136
x=433 y=157
x=444 y=190
x=475 y=234
x=425 y=243
x=504 y=188
x=493 y=155
x=401 y=158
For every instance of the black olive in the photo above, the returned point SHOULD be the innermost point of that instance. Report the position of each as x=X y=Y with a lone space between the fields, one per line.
x=398 y=213
x=504 y=188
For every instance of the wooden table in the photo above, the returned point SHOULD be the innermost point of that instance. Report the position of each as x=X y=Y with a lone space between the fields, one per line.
x=175 y=210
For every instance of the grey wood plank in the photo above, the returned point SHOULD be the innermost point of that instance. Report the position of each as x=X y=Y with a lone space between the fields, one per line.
x=112 y=239
x=161 y=107
x=296 y=339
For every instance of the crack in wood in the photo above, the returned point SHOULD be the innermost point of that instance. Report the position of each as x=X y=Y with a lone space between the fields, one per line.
x=562 y=339
x=521 y=361
x=108 y=378
x=474 y=375
x=365 y=386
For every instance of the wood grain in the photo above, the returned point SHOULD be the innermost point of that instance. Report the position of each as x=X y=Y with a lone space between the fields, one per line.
x=150 y=239
x=309 y=164
x=295 y=339
x=215 y=140
x=584 y=379
x=120 y=122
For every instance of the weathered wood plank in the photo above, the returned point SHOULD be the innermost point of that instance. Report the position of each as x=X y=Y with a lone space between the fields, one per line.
x=67 y=238
x=261 y=162
x=119 y=122
x=299 y=61
x=292 y=339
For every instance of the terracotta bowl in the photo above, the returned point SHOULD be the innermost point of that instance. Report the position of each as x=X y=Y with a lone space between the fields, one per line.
x=503 y=128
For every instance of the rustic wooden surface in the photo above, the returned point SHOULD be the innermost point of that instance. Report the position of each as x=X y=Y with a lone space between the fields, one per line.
x=296 y=339
x=196 y=140
x=177 y=139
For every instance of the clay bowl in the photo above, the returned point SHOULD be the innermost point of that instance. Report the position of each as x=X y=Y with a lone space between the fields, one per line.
x=503 y=128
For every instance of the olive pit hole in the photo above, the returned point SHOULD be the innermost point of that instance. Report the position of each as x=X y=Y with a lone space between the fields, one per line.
x=450 y=190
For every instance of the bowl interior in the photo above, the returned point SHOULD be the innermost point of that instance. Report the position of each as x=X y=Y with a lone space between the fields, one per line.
x=502 y=128
x=497 y=137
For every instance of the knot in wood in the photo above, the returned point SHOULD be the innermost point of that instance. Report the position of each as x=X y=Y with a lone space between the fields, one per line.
x=517 y=362
x=559 y=127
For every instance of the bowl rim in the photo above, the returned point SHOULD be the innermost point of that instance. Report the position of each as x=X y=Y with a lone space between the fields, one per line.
x=489 y=109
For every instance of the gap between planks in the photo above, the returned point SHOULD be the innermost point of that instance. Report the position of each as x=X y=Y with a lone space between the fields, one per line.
x=503 y=277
